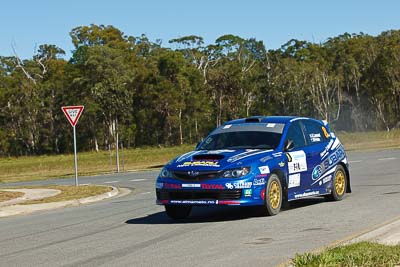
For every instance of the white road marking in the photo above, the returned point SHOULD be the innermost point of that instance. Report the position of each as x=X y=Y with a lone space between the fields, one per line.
x=144 y=193
x=111 y=182
x=84 y=184
x=355 y=161
x=137 y=180
x=387 y=159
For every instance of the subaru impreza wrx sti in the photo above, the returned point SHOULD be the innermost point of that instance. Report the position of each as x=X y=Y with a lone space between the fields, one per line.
x=256 y=161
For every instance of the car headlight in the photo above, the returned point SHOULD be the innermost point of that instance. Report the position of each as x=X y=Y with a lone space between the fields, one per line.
x=165 y=173
x=236 y=173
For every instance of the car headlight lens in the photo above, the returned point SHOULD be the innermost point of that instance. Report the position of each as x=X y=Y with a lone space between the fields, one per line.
x=165 y=173
x=236 y=173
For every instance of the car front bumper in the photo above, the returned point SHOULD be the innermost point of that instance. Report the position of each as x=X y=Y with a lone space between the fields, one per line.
x=240 y=192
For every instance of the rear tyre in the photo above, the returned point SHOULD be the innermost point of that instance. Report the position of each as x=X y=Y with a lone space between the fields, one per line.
x=339 y=184
x=178 y=212
x=273 y=195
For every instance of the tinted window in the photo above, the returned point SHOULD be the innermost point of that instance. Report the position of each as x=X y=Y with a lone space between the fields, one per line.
x=242 y=139
x=296 y=135
x=314 y=132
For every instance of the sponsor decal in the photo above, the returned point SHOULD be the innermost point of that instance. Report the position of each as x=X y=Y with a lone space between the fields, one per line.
x=228 y=202
x=324 y=175
x=172 y=186
x=239 y=185
x=315 y=139
x=248 y=153
x=294 y=180
x=326 y=149
x=276 y=155
x=159 y=185
x=247 y=192
x=191 y=185
x=298 y=162
x=307 y=194
x=327 y=179
x=317 y=172
x=202 y=163
x=229 y=185
x=264 y=159
x=318 y=135
x=271 y=125
x=281 y=164
x=264 y=169
x=212 y=186
x=259 y=181
x=334 y=158
x=261 y=175
x=325 y=132
x=206 y=202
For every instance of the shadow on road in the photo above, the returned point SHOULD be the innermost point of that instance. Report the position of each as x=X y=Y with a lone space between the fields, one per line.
x=219 y=214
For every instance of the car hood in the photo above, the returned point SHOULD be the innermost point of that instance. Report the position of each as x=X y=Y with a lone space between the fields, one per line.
x=207 y=160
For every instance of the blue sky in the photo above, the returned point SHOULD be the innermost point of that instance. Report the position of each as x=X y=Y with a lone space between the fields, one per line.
x=30 y=23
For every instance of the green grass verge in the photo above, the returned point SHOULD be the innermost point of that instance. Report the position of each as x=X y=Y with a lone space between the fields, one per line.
x=358 y=254
x=370 y=140
x=68 y=192
x=89 y=163
x=45 y=167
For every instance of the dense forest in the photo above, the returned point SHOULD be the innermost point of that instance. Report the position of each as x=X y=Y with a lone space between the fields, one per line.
x=154 y=94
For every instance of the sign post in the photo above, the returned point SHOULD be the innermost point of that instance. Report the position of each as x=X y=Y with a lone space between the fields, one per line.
x=73 y=113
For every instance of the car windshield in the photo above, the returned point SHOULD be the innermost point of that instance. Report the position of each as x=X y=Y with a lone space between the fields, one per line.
x=241 y=140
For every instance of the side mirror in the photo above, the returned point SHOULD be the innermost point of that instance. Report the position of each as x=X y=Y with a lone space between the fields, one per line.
x=289 y=145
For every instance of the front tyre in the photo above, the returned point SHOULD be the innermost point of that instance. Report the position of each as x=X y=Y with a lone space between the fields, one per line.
x=339 y=184
x=273 y=195
x=178 y=212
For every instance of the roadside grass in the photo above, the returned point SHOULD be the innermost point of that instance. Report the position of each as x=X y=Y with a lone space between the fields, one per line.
x=358 y=254
x=370 y=140
x=89 y=163
x=68 y=192
x=4 y=195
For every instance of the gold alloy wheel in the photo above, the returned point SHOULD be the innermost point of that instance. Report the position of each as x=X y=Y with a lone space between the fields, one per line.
x=274 y=194
x=340 y=182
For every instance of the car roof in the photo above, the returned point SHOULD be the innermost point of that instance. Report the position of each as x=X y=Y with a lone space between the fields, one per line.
x=264 y=119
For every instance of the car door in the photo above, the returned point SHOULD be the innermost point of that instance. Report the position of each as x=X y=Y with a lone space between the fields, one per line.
x=297 y=165
x=316 y=144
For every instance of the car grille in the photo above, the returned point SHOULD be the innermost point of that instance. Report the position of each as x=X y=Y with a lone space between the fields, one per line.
x=203 y=194
x=200 y=176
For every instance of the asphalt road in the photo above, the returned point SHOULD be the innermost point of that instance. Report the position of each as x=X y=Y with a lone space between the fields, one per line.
x=133 y=231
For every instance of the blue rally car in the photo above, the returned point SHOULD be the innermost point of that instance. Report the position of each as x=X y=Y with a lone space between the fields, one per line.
x=256 y=161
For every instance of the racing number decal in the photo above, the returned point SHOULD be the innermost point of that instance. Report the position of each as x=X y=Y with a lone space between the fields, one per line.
x=325 y=132
x=297 y=162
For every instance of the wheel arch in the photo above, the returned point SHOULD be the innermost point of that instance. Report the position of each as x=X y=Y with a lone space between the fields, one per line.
x=346 y=169
x=282 y=179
